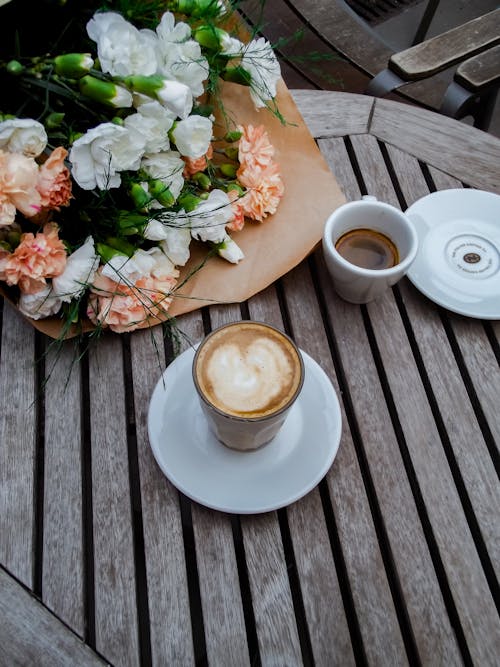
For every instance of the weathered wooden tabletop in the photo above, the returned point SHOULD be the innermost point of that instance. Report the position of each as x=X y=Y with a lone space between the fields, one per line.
x=393 y=558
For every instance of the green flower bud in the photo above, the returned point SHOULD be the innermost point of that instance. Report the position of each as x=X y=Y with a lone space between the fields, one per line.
x=146 y=85
x=231 y=152
x=161 y=193
x=234 y=135
x=189 y=202
x=14 y=67
x=228 y=170
x=202 y=180
x=140 y=197
x=236 y=75
x=54 y=120
x=209 y=36
x=107 y=252
x=105 y=92
x=236 y=187
x=131 y=223
x=73 y=65
x=198 y=8
x=203 y=110
x=122 y=246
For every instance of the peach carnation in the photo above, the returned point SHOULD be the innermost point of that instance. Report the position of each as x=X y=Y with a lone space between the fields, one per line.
x=18 y=179
x=126 y=308
x=254 y=148
x=54 y=180
x=194 y=165
x=35 y=259
x=265 y=190
x=237 y=222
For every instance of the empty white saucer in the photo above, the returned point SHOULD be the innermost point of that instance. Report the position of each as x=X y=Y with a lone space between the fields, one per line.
x=458 y=261
x=243 y=482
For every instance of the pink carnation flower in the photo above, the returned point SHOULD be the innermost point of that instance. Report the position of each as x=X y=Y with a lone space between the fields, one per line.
x=237 y=223
x=35 y=259
x=254 y=148
x=265 y=190
x=126 y=308
x=196 y=164
x=54 y=180
x=18 y=179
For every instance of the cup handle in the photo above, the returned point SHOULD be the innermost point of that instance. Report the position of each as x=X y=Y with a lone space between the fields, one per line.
x=369 y=198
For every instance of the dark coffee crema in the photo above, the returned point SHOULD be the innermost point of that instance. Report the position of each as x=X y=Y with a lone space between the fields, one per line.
x=368 y=249
x=248 y=369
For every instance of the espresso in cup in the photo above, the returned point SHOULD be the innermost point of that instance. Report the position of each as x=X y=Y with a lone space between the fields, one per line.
x=368 y=249
x=247 y=375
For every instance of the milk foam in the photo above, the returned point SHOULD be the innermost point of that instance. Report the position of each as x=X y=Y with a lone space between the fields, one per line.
x=249 y=378
x=248 y=370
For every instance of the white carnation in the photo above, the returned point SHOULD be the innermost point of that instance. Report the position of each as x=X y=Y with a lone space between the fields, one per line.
x=209 y=219
x=230 y=46
x=178 y=56
x=39 y=305
x=23 y=135
x=166 y=167
x=143 y=263
x=123 y=50
x=230 y=250
x=192 y=136
x=176 y=244
x=260 y=61
x=78 y=273
x=174 y=235
x=153 y=122
x=176 y=96
x=101 y=153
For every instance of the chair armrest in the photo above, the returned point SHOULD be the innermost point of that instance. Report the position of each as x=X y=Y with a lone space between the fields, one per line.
x=481 y=71
x=440 y=52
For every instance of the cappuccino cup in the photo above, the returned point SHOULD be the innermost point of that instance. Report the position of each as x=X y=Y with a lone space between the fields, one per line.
x=368 y=246
x=247 y=376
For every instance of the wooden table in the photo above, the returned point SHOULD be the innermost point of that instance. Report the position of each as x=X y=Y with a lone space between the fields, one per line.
x=393 y=558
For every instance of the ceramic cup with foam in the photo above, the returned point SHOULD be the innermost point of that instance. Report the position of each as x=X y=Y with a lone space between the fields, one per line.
x=355 y=283
x=247 y=375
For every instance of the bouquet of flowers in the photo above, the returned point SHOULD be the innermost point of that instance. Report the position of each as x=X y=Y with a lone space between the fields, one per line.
x=116 y=155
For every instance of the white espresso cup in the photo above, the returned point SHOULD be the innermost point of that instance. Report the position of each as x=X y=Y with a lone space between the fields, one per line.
x=367 y=231
x=247 y=375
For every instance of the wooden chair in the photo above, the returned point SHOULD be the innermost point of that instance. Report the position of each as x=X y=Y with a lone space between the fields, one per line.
x=332 y=26
x=475 y=46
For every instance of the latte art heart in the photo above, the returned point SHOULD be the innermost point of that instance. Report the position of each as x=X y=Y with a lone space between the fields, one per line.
x=248 y=369
x=250 y=377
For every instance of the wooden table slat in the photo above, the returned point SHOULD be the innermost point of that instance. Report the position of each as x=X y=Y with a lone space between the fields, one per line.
x=63 y=539
x=116 y=623
x=463 y=151
x=18 y=446
x=169 y=614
